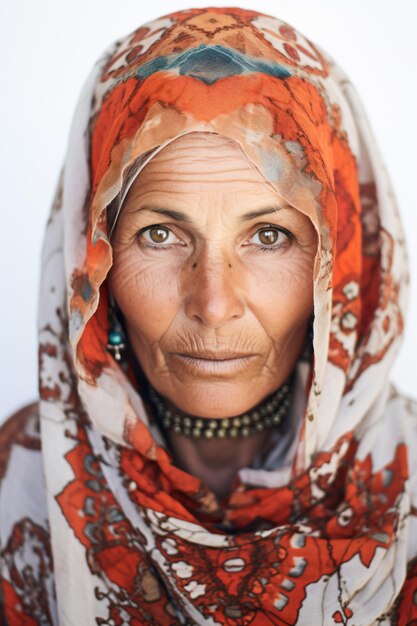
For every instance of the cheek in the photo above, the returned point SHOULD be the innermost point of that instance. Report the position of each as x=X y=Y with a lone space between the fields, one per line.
x=282 y=298
x=146 y=293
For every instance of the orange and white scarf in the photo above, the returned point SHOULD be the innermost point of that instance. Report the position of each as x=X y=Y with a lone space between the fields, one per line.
x=97 y=525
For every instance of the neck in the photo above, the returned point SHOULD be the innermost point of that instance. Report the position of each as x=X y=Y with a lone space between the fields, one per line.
x=216 y=462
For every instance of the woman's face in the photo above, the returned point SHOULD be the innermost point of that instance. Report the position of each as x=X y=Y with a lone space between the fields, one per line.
x=213 y=273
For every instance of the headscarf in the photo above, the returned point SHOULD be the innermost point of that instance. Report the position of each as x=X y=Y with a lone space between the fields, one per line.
x=98 y=524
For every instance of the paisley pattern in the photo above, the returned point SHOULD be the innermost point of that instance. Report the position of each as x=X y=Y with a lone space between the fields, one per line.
x=98 y=525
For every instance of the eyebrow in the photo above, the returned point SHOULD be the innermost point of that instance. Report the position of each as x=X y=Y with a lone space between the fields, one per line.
x=183 y=217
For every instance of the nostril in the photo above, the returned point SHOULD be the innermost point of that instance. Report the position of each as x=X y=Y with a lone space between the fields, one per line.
x=194 y=265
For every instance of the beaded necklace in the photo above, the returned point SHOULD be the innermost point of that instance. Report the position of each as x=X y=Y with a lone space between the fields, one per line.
x=267 y=414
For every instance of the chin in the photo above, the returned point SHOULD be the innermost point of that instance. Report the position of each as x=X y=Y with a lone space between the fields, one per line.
x=217 y=399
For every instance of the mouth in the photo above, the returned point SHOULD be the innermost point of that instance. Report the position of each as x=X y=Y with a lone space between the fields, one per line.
x=215 y=356
x=215 y=363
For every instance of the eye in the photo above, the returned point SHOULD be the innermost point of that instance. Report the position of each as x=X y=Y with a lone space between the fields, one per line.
x=272 y=238
x=158 y=236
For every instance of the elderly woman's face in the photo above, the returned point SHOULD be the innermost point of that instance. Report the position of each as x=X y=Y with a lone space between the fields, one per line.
x=216 y=286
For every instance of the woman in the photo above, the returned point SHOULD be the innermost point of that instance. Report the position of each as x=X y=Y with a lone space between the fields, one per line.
x=223 y=293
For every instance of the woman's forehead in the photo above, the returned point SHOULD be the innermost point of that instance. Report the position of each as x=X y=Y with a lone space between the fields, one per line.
x=199 y=162
x=204 y=153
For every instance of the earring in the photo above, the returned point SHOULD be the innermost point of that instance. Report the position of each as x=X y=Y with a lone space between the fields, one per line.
x=310 y=330
x=308 y=348
x=116 y=340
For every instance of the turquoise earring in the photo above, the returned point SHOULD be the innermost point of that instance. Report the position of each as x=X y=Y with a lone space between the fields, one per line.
x=310 y=330
x=308 y=346
x=116 y=339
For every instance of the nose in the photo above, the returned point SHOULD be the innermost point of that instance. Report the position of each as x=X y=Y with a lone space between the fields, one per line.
x=214 y=295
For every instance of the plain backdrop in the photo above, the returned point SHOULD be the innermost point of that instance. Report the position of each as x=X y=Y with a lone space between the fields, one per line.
x=47 y=49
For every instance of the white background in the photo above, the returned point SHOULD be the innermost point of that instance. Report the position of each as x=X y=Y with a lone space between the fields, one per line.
x=47 y=49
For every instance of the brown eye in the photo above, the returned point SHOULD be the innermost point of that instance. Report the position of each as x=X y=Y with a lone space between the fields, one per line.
x=158 y=237
x=271 y=238
x=268 y=236
x=158 y=234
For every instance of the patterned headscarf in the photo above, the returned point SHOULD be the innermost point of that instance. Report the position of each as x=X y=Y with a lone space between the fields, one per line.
x=98 y=525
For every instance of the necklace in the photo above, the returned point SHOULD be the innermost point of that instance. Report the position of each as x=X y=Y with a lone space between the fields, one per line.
x=267 y=414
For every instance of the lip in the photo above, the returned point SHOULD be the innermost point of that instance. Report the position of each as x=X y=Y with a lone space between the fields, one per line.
x=215 y=366
x=215 y=356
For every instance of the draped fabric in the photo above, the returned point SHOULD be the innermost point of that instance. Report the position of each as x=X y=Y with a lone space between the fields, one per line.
x=98 y=525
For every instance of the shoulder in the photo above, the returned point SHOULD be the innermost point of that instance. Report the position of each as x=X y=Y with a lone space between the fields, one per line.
x=25 y=548
x=402 y=404
x=18 y=420
x=21 y=464
x=20 y=429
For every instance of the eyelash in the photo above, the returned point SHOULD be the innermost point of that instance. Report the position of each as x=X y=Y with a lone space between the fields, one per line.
x=274 y=248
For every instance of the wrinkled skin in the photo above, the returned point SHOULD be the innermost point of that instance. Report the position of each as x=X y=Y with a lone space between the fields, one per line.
x=214 y=288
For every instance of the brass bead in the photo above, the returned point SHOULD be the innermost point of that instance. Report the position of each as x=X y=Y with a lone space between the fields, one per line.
x=237 y=422
x=246 y=419
x=196 y=433
x=212 y=424
x=187 y=422
x=221 y=433
x=208 y=434
x=225 y=422
x=199 y=423
x=245 y=432
x=233 y=432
